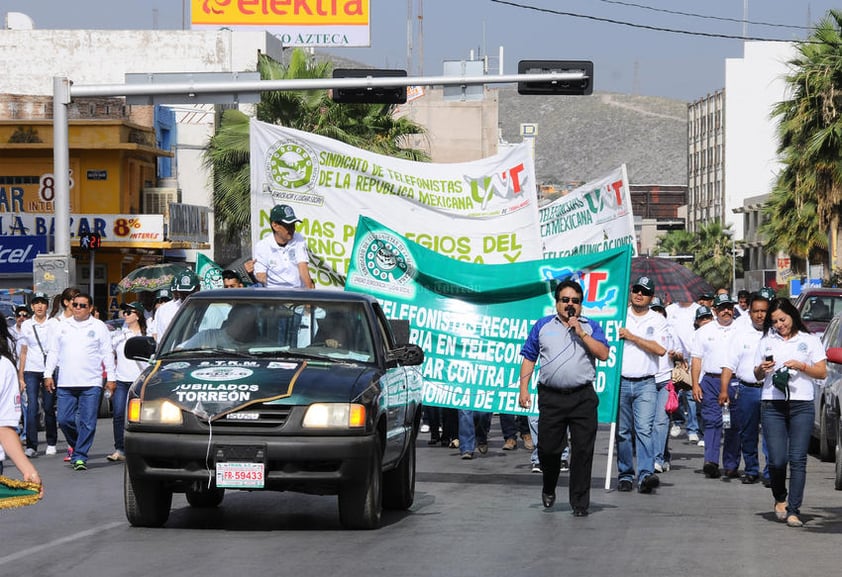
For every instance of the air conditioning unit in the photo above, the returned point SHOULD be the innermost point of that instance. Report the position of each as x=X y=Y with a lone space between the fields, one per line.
x=156 y=200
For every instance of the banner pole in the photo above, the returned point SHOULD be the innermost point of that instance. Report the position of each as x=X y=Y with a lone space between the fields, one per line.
x=612 y=432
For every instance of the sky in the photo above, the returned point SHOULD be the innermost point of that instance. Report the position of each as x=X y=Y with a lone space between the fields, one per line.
x=627 y=40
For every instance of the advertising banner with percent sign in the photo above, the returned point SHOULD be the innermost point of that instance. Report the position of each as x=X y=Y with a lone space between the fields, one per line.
x=114 y=229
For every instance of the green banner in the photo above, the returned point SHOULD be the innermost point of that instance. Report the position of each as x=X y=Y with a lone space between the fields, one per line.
x=472 y=319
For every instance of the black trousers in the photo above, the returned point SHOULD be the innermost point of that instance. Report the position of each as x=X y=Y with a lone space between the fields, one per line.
x=558 y=413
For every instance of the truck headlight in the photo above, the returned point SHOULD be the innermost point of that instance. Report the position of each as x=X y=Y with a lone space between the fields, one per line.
x=334 y=416
x=161 y=412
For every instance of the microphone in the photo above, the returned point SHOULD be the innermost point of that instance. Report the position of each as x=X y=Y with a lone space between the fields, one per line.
x=570 y=311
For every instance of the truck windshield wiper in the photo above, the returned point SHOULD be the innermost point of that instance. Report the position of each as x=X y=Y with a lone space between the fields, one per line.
x=205 y=351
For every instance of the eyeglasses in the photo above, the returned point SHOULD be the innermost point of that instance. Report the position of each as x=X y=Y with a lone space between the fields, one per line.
x=127 y=312
x=24 y=315
x=638 y=290
x=574 y=300
x=80 y=305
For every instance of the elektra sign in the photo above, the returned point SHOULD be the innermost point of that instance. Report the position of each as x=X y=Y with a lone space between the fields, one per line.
x=17 y=253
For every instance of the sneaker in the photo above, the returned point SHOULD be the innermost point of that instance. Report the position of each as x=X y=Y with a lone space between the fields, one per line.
x=69 y=456
x=701 y=443
x=116 y=456
x=693 y=438
x=79 y=465
x=31 y=453
x=649 y=484
x=536 y=468
x=510 y=444
x=425 y=428
x=675 y=431
x=51 y=450
x=666 y=466
x=565 y=465
x=527 y=442
x=625 y=486
x=467 y=456
x=659 y=468
x=482 y=448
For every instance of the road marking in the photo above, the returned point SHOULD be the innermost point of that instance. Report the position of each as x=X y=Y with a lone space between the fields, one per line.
x=62 y=541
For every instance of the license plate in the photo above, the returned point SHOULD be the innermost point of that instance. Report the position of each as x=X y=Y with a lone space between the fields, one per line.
x=239 y=475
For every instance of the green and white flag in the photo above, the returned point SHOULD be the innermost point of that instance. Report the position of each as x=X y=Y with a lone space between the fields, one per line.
x=472 y=319
x=209 y=273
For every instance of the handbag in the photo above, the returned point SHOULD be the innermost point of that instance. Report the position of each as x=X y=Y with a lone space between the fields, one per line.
x=681 y=379
x=672 y=400
x=780 y=380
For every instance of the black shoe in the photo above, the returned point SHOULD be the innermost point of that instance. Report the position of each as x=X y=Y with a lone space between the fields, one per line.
x=731 y=473
x=580 y=512
x=432 y=442
x=625 y=486
x=548 y=499
x=750 y=479
x=565 y=465
x=711 y=470
x=649 y=484
x=767 y=482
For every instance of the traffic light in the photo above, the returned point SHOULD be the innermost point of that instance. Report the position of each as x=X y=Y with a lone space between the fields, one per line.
x=90 y=240
x=577 y=87
x=369 y=94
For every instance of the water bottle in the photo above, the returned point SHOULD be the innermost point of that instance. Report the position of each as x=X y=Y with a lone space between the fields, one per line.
x=107 y=393
x=726 y=416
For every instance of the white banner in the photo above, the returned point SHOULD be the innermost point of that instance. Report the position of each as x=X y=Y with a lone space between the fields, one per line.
x=592 y=218
x=123 y=228
x=483 y=211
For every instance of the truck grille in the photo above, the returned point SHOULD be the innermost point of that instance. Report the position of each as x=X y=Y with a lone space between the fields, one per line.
x=262 y=416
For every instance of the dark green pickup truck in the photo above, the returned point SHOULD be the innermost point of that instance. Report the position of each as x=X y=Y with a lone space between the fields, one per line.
x=278 y=390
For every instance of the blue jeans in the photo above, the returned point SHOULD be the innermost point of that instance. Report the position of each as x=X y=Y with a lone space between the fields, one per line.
x=712 y=419
x=473 y=430
x=34 y=384
x=637 y=415
x=118 y=402
x=77 y=414
x=748 y=405
x=661 y=425
x=787 y=426
x=691 y=420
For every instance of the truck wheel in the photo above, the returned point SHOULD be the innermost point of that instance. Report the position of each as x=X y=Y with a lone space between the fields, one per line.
x=825 y=449
x=205 y=498
x=147 y=502
x=361 y=502
x=399 y=484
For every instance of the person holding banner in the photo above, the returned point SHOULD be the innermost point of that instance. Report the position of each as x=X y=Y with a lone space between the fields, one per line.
x=281 y=259
x=644 y=338
x=568 y=345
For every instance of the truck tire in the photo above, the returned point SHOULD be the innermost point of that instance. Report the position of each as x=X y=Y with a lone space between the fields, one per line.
x=825 y=449
x=361 y=502
x=147 y=502
x=399 y=483
x=205 y=498
x=837 y=480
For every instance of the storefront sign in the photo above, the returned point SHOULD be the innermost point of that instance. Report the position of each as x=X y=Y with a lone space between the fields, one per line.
x=113 y=228
x=17 y=253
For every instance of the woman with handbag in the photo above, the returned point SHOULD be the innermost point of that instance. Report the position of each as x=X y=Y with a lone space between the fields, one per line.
x=787 y=360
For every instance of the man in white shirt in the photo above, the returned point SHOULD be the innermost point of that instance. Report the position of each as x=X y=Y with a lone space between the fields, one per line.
x=644 y=338
x=81 y=347
x=184 y=284
x=34 y=340
x=281 y=259
x=709 y=352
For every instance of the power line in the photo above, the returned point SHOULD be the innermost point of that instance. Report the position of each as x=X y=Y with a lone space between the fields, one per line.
x=707 y=16
x=646 y=26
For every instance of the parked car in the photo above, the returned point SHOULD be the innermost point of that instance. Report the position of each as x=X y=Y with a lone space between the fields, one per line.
x=7 y=312
x=817 y=306
x=828 y=392
x=265 y=389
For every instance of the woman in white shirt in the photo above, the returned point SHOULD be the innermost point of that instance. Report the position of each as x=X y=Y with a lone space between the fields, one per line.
x=788 y=358
x=134 y=325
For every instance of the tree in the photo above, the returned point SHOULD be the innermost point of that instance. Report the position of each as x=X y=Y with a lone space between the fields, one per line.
x=714 y=260
x=372 y=127
x=677 y=243
x=807 y=195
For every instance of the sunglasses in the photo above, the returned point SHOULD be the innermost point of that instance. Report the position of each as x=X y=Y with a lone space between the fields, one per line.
x=80 y=305
x=641 y=291
x=574 y=300
x=127 y=312
x=24 y=315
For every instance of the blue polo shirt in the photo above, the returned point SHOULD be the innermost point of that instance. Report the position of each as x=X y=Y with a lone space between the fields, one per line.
x=565 y=361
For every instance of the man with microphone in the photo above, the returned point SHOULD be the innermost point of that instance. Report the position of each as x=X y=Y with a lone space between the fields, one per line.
x=568 y=345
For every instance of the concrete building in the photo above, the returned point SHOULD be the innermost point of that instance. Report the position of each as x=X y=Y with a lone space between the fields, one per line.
x=706 y=161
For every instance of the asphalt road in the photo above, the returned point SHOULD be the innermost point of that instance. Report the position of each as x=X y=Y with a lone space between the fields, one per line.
x=479 y=517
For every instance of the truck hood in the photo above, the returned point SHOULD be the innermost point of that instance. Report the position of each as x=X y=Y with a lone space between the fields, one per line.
x=211 y=389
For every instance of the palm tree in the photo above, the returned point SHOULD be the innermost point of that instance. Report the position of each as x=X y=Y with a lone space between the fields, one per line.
x=714 y=260
x=372 y=127
x=677 y=243
x=810 y=132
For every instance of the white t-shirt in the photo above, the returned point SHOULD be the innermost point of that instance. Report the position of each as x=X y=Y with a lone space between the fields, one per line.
x=127 y=369
x=711 y=344
x=651 y=326
x=741 y=351
x=164 y=316
x=80 y=349
x=803 y=347
x=9 y=394
x=36 y=347
x=280 y=263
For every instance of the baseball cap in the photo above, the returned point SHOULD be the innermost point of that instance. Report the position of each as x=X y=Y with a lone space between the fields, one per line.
x=656 y=303
x=137 y=306
x=163 y=293
x=284 y=214
x=22 y=309
x=646 y=283
x=767 y=293
x=705 y=297
x=40 y=296
x=703 y=311
x=722 y=299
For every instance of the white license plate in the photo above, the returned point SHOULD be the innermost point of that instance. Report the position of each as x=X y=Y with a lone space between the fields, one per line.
x=239 y=475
